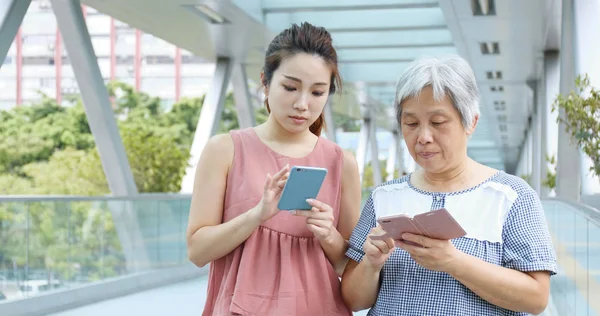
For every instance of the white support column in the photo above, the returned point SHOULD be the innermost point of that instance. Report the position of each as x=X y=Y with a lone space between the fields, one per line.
x=393 y=156
x=95 y=96
x=11 y=17
x=536 y=126
x=568 y=179
x=329 y=122
x=374 y=154
x=241 y=96
x=210 y=116
x=551 y=83
x=72 y=26
x=361 y=148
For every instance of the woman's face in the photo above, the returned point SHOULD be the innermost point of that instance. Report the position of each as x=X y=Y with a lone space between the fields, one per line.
x=433 y=132
x=298 y=91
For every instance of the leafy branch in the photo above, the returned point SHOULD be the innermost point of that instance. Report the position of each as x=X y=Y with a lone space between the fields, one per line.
x=582 y=118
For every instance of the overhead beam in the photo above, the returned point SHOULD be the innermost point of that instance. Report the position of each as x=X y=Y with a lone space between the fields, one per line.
x=391 y=39
x=376 y=60
x=389 y=53
x=276 y=6
x=387 y=29
x=366 y=19
x=11 y=17
x=384 y=46
x=372 y=72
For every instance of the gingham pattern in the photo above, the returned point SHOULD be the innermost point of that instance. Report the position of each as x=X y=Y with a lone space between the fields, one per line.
x=409 y=289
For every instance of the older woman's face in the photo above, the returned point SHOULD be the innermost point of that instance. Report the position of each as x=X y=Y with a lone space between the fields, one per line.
x=433 y=132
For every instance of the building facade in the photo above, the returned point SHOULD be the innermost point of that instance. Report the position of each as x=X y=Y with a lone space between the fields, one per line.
x=38 y=62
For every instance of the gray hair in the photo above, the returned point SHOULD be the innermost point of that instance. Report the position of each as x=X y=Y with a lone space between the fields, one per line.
x=451 y=76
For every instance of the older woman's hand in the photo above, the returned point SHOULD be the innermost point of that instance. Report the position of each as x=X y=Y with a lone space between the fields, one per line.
x=378 y=251
x=433 y=254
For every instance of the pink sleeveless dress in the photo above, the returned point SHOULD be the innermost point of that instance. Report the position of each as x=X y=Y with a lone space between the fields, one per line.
x=281 y=269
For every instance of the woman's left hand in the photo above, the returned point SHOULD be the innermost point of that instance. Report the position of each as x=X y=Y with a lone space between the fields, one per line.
x=435 y=254
x=319 y=219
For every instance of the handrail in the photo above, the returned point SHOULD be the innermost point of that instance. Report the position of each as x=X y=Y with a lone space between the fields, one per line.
x=590 y=213
x=66 y=198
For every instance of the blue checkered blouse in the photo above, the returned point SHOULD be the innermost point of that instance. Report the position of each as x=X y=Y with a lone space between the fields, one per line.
x=505 y=225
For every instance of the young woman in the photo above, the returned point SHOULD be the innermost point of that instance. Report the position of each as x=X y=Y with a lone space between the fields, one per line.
x=265 y=261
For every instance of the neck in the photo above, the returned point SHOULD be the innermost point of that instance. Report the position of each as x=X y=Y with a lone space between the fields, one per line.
x=457 y=174
x=275 y=132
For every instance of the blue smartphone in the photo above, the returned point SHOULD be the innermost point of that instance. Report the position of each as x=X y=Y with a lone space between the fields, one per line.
x=302 y=183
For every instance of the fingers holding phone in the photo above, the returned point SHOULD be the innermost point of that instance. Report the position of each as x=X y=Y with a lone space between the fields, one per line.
x=378 y=250
x=319 y=219
x=283 y=180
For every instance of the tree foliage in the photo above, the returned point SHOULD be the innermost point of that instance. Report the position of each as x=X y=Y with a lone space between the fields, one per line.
x=582 y=118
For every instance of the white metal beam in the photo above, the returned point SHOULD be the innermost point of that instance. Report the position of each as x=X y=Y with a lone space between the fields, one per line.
x=11 y=17
x=101 y=119
x=241 y=96
x=95 y=97
x=210 y=116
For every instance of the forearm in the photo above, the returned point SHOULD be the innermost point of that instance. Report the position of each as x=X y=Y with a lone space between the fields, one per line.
x=335 y=250
x=202 y=247
x=507 y=288
x=360 y=286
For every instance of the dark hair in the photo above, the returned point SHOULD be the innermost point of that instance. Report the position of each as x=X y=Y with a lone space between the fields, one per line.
x=305 y=38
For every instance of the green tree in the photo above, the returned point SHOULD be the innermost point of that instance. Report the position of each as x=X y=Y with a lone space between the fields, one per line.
x=157 y=162
x=32 y=133
x=67 y=172
x=582 y=118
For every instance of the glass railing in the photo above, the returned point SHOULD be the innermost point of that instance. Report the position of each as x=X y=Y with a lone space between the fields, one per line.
x=575 y=231
x=51 y=243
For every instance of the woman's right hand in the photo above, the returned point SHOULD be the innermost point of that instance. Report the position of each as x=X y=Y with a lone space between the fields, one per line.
x=378 y=251
x=267 y=207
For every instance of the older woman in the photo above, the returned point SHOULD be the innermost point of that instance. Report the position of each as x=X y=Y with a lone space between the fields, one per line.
x=504 y=263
